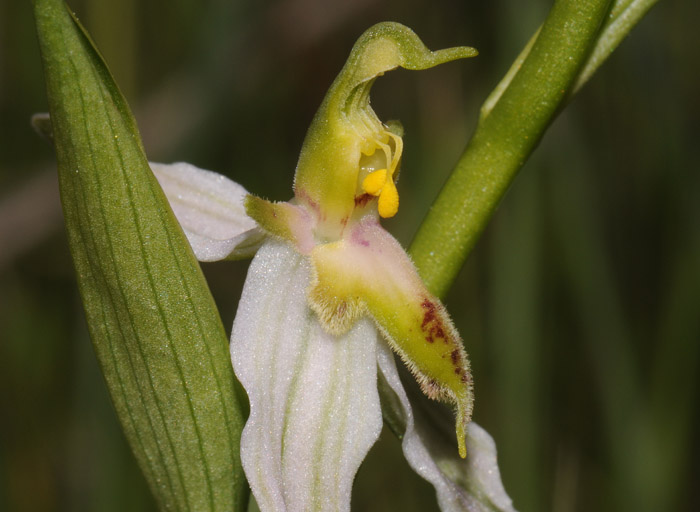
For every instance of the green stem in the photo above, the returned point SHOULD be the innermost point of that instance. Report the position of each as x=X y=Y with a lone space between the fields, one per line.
x=624 y=15
x=504 y=139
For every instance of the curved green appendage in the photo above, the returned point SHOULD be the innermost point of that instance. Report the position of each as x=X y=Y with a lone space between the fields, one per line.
x=153 y=323
x=345 y=126
x=381 y=48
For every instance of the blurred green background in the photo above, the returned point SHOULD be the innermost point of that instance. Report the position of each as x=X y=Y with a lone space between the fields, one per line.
x=579 y=306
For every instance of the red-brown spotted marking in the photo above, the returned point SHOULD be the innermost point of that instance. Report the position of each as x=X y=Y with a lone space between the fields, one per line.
x=363 y=199
x=431 y=324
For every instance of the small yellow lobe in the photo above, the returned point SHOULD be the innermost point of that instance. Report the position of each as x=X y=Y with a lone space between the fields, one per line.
x=388 y=200
x=381 y=182
x=374 y=182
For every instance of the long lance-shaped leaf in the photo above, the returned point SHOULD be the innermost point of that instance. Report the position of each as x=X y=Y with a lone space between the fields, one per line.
x=153 y=323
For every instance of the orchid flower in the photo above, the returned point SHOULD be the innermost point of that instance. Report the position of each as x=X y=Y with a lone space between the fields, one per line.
x=329 y=295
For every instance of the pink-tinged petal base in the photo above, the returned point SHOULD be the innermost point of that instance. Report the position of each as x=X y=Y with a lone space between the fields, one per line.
x=369 y=271
x=314 y=406
x=209 y=207
x=472 y=484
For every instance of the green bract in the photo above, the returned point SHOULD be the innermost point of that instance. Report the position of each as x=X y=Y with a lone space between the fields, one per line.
x=152 y=320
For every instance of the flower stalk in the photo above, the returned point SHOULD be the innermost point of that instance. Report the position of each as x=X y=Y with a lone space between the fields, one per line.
x=504 y=139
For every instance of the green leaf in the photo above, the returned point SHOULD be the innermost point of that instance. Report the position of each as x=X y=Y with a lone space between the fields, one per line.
x=153 y=323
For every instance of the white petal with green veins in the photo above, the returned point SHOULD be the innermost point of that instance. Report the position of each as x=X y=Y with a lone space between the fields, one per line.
x=314 y=406
x=209 y=207
x=473 y=484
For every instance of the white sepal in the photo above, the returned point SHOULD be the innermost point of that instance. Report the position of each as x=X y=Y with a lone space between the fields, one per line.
x=314 y=406
x=209 y=207
x=472 y=484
